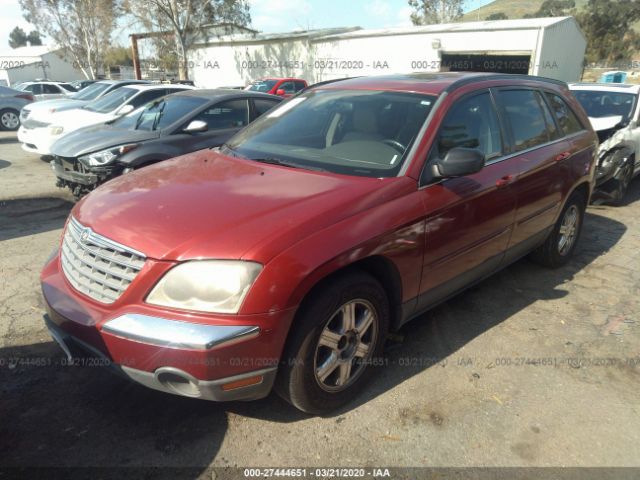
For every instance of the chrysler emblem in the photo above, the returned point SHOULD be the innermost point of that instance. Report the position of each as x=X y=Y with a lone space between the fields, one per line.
x=84 y=236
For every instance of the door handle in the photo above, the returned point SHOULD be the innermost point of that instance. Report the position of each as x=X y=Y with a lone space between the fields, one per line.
x=501 y=182
x=562 y=156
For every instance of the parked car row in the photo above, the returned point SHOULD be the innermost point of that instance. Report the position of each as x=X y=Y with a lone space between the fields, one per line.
x=282 y=259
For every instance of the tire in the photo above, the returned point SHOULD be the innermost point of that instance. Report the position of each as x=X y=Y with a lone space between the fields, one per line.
x=561 y=242
x=9 y=119
x=318 y=376
x=619 y=184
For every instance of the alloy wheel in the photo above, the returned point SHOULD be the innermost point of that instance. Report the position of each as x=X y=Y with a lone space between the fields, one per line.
x=568 y=230
x=345 y=345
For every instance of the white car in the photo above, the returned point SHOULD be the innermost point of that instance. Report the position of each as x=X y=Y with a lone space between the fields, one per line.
x=40 y=110
x=615 y=116
x=37 y=136
x=47 y=90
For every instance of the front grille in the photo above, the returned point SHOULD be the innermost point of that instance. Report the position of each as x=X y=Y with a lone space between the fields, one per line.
x=96 y=266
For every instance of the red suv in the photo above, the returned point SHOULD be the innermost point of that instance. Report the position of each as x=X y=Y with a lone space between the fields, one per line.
x=283 y=87
x=285 y=258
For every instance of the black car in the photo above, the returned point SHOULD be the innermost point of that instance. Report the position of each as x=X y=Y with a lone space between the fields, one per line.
x=165 y=128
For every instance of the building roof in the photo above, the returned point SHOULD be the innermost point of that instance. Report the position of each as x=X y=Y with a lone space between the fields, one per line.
x=487 y=25
x=296 y=34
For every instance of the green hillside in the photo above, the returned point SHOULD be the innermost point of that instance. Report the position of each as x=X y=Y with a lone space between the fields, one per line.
x=511 y=8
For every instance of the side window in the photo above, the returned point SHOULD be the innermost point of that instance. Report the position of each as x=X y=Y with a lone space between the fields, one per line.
x=263 y=106
x=471 y=123
x=524 y=114
x=567 y=120
x=299 y=86
x=146 y=97
x=46 y=88
x=231 y=114
x=287 y=87
x=35 y=88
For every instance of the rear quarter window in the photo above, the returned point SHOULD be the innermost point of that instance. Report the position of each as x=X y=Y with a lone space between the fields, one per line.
x=565 y=117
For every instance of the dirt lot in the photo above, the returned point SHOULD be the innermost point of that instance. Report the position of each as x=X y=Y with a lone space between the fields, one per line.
x=530 y=368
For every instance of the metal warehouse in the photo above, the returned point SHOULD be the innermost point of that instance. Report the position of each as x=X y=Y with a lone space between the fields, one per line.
x=549 y=47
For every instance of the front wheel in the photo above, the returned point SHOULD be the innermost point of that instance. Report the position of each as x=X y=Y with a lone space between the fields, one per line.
x=561 y=242
x=338 y=337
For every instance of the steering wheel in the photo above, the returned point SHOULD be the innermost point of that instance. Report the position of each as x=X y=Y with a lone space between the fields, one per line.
x=395 y=144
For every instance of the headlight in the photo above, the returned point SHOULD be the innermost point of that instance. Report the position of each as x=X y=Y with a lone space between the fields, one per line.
x=206 y=285
x=104 y=157
x=56 y=130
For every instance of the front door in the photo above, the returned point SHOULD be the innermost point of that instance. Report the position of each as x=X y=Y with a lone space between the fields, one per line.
x=468 y=219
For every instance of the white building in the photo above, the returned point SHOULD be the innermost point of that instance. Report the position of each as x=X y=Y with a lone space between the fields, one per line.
x=28 y=63
x=549 y=47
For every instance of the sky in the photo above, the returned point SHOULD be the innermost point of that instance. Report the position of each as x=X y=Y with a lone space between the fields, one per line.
x=277 y=15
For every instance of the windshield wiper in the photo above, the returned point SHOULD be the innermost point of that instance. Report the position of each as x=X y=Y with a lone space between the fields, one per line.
x=276 y=161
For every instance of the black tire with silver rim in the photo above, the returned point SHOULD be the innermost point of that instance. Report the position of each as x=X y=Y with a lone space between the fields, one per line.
x=561 y=242
x=9 y=119
x=337 y=335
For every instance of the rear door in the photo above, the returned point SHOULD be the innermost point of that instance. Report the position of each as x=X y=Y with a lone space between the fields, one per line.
x=543 y=156
x=468 y=219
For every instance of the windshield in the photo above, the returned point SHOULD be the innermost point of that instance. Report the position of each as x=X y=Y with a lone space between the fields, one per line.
x=111 y=101
x=160 y=113
x=364 y=133
x=600 y=104
x=91 y=92
x=262 y=85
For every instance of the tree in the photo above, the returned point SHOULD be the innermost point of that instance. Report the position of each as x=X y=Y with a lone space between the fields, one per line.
x=185 y=19
x=117 y=56
x=34 y=38
x=427 y=12
x=553 y=8
x=607 y=25
x=17 y=38
x=497 y=16
x=82 y=27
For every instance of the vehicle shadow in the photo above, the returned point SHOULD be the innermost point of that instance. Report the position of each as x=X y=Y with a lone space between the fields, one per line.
x=11 y=138
x=56 y=415
x=4 y=164
x=29 y=216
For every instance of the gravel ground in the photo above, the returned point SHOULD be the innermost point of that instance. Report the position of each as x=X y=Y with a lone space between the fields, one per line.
x=532 y=367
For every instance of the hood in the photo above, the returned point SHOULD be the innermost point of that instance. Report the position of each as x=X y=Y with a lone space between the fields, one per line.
x=605 y=123
x=76 y=118
x=207 y=205
x=59 y=104
x=97 y=137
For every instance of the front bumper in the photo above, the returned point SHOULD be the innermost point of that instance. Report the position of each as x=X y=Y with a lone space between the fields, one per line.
x=72 y=176
x=248 y=386
x=36 y=140
x=225 y=357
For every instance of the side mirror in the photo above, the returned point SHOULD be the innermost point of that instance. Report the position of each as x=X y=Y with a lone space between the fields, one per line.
x=459 y=162
x=196 y=126
x=280 y=92
x=123 y=110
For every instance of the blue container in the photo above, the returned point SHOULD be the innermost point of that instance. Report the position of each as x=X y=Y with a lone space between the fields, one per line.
x=613 y=77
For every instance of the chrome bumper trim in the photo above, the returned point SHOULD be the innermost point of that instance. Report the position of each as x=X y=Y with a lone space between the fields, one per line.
x=177 y=334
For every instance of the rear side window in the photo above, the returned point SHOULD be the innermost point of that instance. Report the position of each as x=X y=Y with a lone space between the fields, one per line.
x=471 y=123
x=524 y=114
x=565 y=117
x=231 y=114
x=46 y=88
x=263 y=106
